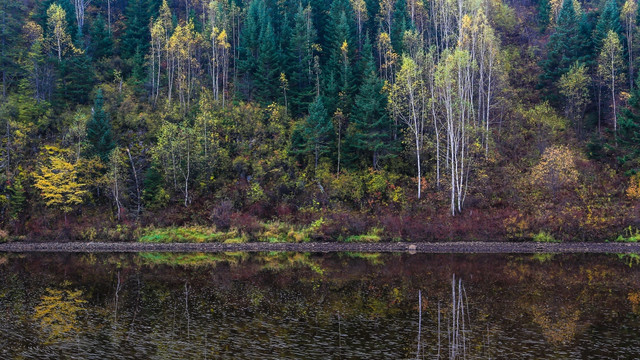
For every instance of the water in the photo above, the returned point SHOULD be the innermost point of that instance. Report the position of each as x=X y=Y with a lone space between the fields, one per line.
x=318 y=306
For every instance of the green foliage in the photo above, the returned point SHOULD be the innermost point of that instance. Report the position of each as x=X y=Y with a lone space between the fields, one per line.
x=371 y=124
x=629 y=134
x=17 y=198
x=544 y=237
x=563 y=48
x=99 y=132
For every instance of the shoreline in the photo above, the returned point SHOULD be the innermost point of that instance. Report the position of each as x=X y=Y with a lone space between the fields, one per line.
x=323 y=247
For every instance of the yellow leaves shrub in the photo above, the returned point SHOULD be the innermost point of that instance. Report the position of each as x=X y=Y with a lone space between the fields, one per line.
x=556 y=169
x=633 y=191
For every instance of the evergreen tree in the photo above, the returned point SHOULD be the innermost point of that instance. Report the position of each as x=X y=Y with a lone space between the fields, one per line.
x=268 y=71
x=317 y=131
x=11 y=14
x=370 y=120
x=629 y=133
x=544 y=14
x=17 y=198
x=250 y=44
x=401 y=23
x=563 y=49
x=76 y=79
x=300 y=61
x=137 y=34
x=101 y=42
x=608 y=20
x=99 y=131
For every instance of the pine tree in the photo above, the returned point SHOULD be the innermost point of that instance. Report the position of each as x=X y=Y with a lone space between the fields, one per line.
x=370 y=119
x=99 y=131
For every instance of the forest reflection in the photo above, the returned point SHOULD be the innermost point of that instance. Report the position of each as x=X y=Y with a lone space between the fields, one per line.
x=300 y=305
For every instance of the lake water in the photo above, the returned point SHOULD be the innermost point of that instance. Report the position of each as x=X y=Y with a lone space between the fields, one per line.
x=319 y=306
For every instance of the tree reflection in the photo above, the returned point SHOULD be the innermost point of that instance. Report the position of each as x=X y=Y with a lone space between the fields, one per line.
x=58 y=312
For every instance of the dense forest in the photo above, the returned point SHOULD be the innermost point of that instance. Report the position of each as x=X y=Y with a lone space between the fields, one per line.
x=326 y=119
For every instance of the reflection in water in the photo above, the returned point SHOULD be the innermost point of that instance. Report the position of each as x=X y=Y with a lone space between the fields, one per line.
x=313 y=306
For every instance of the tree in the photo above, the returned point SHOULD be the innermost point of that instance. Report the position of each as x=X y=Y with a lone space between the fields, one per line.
x=136 y=35
x=178 y=151
x=609 y=68
x=101 y=41
x=301 y=68
x=370 y=119
x=574 y=87
x=407 y=104
x=630 y=14
x=629 y=134
x=316 y=131
x=99 y=131
x=563 y=48
x=544 y=14
x=58 y=185
x=608 y=21
x=11 y=13
x=556 y=168
x=57 y=25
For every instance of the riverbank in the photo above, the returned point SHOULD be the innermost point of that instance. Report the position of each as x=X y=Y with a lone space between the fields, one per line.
x=400 y=247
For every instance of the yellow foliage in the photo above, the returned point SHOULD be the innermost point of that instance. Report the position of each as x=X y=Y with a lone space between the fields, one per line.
x=58 y=184
x=556 y=169
x=633 y=191
x=58 y=311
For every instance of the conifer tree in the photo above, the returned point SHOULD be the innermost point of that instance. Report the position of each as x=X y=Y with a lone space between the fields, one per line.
x=544 y=13
x=609 y=20
x=563 y=48
x=268 y=71
x=101 y=41
x=629 y=133
x=317 y=131
x=370 y=120
x=99 y=131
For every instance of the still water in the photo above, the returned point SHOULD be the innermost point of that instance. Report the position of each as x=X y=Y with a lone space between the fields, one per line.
x=318 y=306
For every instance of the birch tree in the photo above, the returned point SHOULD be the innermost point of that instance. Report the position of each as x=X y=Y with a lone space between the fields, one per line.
x=407 y=105
x=609 y=68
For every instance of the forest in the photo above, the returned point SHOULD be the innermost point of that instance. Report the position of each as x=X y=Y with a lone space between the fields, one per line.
x=335 y=120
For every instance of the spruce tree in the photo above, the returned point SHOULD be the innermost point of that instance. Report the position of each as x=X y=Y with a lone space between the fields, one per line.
x=370 y=121
x=268 y=71
x=544 y=13
x=137 y=34
x=76 y=79
x=300 y=61
x=101 y=42
x=629 y=133
x=317 y=130
x=563 y=49
x=608 y=20
x=99 y=133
